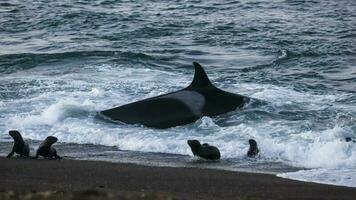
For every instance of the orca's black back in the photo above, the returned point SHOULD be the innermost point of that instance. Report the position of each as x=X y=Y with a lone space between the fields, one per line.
x=154 y=112
x=218 y=101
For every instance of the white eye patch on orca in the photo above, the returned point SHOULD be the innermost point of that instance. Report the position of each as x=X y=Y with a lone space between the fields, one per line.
x=193 y=100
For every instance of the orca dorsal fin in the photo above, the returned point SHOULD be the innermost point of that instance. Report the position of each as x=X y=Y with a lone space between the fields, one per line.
x=200 y=79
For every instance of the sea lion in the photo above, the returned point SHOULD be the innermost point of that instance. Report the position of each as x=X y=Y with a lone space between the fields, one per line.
x=204 y=151
x=348 y=139
x=20 y=146
x=253 y=150
x=46 y=150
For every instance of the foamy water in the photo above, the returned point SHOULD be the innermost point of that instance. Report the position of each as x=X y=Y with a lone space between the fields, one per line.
x=65 y=106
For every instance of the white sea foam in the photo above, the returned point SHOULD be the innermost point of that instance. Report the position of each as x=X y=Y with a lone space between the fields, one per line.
x=51 y=115
x=345 y=177
x=285 y=96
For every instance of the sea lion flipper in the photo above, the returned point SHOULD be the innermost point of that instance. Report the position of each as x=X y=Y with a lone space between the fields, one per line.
x=11 y=153
x=26 y=151
x=34 y=157
x=53 y=154
x=57 y=156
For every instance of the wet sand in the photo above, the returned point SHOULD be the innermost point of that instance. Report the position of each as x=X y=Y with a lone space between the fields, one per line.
x=69 y=178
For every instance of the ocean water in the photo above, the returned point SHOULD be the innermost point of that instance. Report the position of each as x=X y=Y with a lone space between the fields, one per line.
x=62 y=61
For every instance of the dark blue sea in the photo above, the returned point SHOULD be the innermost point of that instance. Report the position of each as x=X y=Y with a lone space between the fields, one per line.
x=62 y=61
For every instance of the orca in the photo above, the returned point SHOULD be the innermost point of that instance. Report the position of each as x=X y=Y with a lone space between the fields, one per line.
x=200 y=98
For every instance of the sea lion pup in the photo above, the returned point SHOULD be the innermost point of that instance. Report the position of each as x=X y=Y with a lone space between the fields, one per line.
x=253 y=150
x=204 y=151
x=46 y=150
x=20 y=146
x=348 y=139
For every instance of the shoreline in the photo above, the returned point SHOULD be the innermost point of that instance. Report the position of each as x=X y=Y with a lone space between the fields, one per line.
x=25 y=175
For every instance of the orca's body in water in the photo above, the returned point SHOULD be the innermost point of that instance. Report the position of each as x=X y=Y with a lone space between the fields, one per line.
x=182 y=107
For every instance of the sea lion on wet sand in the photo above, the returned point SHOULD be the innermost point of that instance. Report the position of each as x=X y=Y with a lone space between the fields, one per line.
x=253 y=150
x=46 y=150
x=20 y=146
x=205 y=151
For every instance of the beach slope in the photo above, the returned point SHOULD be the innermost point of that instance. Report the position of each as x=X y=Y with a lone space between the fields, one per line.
x=68 y=176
